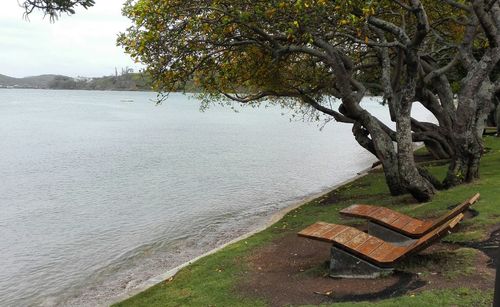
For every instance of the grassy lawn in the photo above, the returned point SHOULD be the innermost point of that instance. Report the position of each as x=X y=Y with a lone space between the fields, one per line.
x=211 y=281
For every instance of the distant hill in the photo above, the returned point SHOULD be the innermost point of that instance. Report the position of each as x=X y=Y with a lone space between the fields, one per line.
x=123 y=82
x=42 y=81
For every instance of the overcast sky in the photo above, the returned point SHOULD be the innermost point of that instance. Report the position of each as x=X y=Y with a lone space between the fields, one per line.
x=83 y=44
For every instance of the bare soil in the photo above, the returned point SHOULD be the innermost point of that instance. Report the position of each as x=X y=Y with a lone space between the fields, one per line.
x=294 y=271
x=490 y=247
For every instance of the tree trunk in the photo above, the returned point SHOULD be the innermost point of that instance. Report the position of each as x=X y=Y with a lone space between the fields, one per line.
x=467 y=136
x=392 y=180
x=382 y=147
x=436 y=149
x=464 y=166
x=492 y=118
x=419 y=187
x=498 y=119
x=494 y=115
x=411 y=179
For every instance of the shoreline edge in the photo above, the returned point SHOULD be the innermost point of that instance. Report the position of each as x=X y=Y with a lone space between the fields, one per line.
x=274 y=218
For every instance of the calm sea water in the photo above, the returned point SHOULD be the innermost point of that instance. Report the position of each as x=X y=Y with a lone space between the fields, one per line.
x=100 y=191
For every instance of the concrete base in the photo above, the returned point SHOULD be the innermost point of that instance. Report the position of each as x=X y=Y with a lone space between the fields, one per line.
x=389 y=235
x=346 y=265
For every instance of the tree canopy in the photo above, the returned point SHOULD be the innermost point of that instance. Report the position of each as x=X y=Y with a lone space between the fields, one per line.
x=54 y=8
x=301 y=53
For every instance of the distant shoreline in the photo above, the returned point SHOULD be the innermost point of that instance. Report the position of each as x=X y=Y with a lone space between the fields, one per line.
x=76 y=89
x=125 y=81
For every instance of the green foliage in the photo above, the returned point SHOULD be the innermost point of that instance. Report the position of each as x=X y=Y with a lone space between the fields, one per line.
x=270 y=47
x=54 y=8
x=62 y=82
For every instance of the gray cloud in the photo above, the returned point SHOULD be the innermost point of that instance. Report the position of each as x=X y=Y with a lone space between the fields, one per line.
x=83 y=44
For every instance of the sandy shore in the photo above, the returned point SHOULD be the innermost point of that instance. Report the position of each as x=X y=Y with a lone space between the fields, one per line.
x=271 y=220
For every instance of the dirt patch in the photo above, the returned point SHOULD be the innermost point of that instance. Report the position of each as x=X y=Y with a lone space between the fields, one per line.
x=490 y=247
x=437 y=272
x=469 y=213
x=331 y=198
x=294 y=271
x=404 y=200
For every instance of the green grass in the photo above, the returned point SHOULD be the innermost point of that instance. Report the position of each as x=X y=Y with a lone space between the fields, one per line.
x=451 y=264
x=211 y=281
x=456 y=297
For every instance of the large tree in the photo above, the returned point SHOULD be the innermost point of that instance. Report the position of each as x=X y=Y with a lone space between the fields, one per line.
x=461 y=47
x=477 y=51
x=301 y=53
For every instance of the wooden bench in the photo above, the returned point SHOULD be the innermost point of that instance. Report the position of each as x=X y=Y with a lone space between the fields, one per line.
x=373 y=250
x=404 y=224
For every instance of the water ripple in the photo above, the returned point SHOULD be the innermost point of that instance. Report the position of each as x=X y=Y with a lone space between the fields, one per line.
x=97 y=195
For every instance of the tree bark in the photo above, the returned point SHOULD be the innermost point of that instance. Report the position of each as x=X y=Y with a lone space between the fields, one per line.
x=435 y=138
x=467 y=136
x=381 y=146
x=492 y=116
x=498 y=119
x=419 y=187
x=436 y=149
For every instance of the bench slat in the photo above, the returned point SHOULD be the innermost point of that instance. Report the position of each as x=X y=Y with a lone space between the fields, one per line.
x=387 y=216
x=333 y=231
x=369 y=247
x=358 y=240
x=347 y=235
x=412 y=226
x=382 y=251
x=402 y=223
